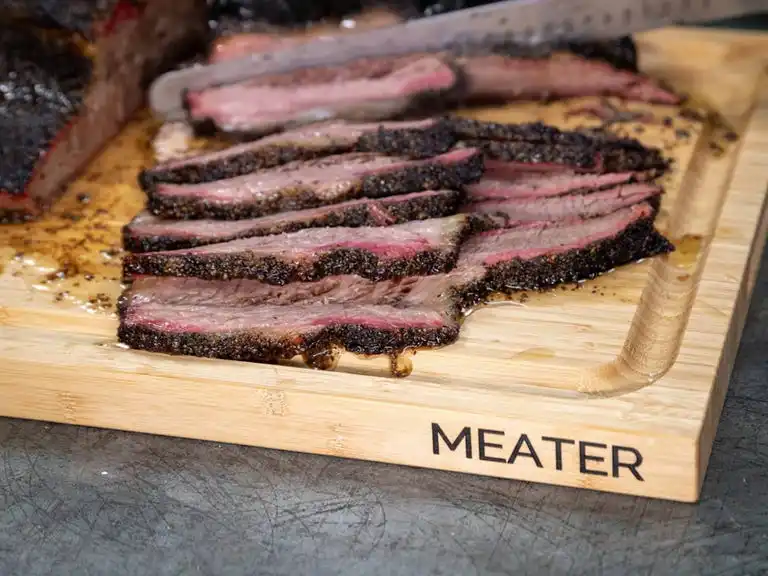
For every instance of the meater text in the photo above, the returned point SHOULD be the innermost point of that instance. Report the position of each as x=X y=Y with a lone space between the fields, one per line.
x=494 y=446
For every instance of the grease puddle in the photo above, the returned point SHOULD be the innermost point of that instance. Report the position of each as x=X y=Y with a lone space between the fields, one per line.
x=73 y=254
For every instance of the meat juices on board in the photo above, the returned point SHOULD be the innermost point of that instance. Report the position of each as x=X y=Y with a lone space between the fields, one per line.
x=71 y=89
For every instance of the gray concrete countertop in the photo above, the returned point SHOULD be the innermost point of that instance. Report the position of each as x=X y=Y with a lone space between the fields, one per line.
x=85 y=501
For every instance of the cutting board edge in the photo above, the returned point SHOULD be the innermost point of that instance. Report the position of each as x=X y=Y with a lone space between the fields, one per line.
x=686 y=446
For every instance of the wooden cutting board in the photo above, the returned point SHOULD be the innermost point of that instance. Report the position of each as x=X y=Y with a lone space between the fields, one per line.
x=614 y=385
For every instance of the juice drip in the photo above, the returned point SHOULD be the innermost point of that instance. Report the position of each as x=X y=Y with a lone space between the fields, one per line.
x=323 y=359
x=401 y=365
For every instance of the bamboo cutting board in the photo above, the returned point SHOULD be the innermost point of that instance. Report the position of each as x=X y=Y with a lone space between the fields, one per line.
x=615 y=385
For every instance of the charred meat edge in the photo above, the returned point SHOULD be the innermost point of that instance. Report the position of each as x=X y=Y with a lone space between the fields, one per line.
x=415 y=143
x=431 y=176
x=597 y=157
x=272 y=270
x=358 y=214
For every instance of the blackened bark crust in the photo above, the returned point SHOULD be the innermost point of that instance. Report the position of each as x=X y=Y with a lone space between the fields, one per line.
x=408 y=143
x=420 y=208
x=433 y=176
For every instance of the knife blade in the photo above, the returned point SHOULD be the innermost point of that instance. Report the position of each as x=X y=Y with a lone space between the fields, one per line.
x=527 y=22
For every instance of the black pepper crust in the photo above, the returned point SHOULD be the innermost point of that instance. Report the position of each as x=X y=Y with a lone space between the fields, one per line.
x=526 y=152
x=421 y=208
x=272 y=270
x=413 y=143
x=254 y=347
x=82 y=17
x=44 y=81
x=432 y=176
x=410 y=142
x=595 y=156
x=15 y=216
x=638 y=241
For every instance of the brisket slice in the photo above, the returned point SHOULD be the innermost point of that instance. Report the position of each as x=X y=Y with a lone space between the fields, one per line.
x=497 y=77
x=362 y=91
x=147 y=233
x=542 y=148
x=532 y=185
x=377 y=253
x=253 y=321
x=271 y=333
x=518 y=211
x=598 y=157
x=544 y=254
x=419 y=139
x=60 y=106
x=314 y=183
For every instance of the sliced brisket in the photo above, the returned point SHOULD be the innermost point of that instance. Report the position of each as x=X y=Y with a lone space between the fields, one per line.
x=148 y=233
x=542 y=148
x=377 y=253
x=60 y=106
x=544 y=254
x=597 y=157
x=419 y=139
x=491 y=73
x=252 y=321
x=530 y=185
x=517 y=211
x=362 y=91
x=314 y=183
x=497 y=77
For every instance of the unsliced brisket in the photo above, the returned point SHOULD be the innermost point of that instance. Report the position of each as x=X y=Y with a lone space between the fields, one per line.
x=362 y=91
x=416 y=139
x=65 y=97
x=314 y=183
x=377 y=253
x=148 y=233
x=515 y=212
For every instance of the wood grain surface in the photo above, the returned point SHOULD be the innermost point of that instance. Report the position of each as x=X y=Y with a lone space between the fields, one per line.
x=616 y=384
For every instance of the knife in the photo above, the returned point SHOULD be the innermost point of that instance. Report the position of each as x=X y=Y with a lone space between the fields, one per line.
x=527 y=22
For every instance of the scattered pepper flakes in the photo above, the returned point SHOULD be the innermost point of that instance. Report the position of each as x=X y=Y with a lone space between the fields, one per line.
x=690 y=114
